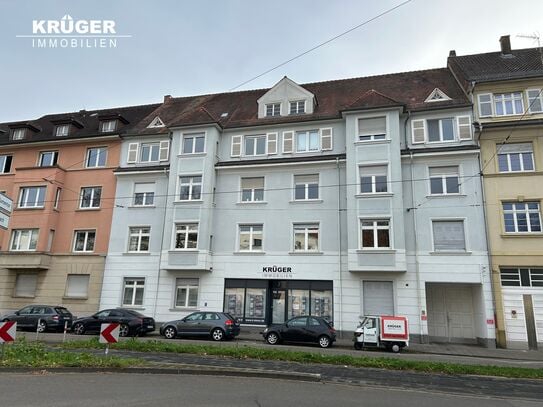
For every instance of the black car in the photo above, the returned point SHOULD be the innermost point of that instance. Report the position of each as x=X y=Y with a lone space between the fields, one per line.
x=307 y=329
x=41 y=318
x=132 y=322
x=217 y=325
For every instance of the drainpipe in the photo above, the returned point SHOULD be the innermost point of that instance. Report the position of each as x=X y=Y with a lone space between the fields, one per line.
x=340 y=325
x=162 y=236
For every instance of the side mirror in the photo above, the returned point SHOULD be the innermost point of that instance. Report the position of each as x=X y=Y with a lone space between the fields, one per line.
x=16 y=312
x=95 y=316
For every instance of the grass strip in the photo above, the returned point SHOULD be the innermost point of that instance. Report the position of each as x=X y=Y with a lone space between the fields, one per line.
x=248 y=352
x=35 y=355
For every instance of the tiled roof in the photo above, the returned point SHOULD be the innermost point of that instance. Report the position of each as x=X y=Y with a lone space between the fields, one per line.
x=494 y=66
x=408 y=89
x=89 y=120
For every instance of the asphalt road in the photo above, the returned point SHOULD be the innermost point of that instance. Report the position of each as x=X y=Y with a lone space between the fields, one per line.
x=96 y=390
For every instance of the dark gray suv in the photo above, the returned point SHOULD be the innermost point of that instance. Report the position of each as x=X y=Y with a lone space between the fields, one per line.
x=217 y=325
x=41 y=318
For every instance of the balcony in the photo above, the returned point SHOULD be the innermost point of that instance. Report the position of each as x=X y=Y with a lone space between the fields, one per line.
x=25 y=260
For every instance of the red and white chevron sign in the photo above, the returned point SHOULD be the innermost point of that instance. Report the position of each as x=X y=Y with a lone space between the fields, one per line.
x=109 y=333
x=8 y=331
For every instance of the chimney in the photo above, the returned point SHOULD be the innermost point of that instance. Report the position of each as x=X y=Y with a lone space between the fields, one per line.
x=452 y=53
x=167 y=97
x=505 y=45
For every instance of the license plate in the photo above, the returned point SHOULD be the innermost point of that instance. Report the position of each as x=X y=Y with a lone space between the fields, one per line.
x=150 y=326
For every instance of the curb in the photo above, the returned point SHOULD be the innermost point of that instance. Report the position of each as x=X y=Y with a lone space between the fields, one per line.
x=198 y=370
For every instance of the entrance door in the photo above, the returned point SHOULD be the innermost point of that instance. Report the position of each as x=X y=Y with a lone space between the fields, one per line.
x=450 y=313
x=279 y=302
x=378 y=298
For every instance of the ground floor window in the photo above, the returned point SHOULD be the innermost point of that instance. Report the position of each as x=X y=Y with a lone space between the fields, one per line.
x=77 y=285
x=133 y=291
x=186 y=292
x=274 y=301
x=25 y=285
x=521 y=277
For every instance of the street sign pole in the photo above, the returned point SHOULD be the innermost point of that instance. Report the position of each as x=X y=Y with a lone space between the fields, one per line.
x=3 y=344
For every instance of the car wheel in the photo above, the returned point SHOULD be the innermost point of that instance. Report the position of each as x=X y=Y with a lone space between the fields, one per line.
x=41 y=327
x=395 y=348
x=272 y=338
x=217 y=334
x=357 y=345
x=170 y=332
x=79 y=329
x=123 y=330
x=324 y=341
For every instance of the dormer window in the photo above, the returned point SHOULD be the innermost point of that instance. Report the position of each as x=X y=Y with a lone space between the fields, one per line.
x=297 y=107
x=437 y=95
x=18 y=134
x=108 y=126
x=273 y=109
x=62 y=130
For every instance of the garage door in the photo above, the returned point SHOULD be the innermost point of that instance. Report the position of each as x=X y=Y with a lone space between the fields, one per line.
x=450 y=313
x=378 y=298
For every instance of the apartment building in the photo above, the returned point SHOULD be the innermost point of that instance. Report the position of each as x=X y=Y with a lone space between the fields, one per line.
x=505 y=88
x=304 y=199
x=58 y=170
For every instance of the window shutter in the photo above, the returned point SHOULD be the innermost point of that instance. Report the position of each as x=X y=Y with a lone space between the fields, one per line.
x=418 y=128
x=25 y=285
x=164 y=150
x=236 y=146
x=288 y=137
x=464 y=127
x=326 y=139
x=77 y=285
x=449 y=235
x=132 y=153
x=272 y=143
x=515 y=148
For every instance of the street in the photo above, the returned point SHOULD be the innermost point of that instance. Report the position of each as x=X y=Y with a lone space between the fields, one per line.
x=90 y=389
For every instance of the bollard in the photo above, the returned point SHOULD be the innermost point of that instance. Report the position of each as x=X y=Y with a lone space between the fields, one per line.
x=65 y=329
x=38 y=330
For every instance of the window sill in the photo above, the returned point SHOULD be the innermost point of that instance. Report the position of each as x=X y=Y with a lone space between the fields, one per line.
x=302 y=201
x=376 y=195
x=250 y=253
x=252 y=203
x=22 y=251
x=308 y=253
x=81 y=253
x=75 y=298
x=192 y=154
x=375 y=251
x=523 y=234
x=87 y=209
x=178 y=309
x=136 y=254
x=431 y=196
x=450 y=253
x=190 y=201
x=23 y=296
x=140 y=206
x=360 y=142
x=184 y=251
x=37 y=208
x=6 y=173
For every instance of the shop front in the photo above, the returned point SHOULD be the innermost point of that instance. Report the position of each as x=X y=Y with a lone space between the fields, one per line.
x=263 y=301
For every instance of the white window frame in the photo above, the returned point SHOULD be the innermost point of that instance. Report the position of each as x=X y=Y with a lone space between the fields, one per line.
x=102 y=151
x=251 y=233
x=252 y=200
x=140 y=235
x=191 y=185
x=16 y=236
x=146 y=195
x=503 y=96
x=375 y=228
x=464 y=225
x=443 y=180
x=86 y=233
x=526 y=212
x=73 y=275
x=530 y=103
x=18 y=134
x=508 y=154
x=255 y=136
x=188 y=288
x=193 y=136
x=308 y=134
x=373 y=136
x=306 y=188
x=23 y=197
x=307 y=226
x=134 y=287
x=108 y=126
x=479 y=103
x=4 y=162
x=62 y=130
x=57 y=198
x=373 y=181
x=440 y=121
x=43 y=154
x=297 y=102
x=151 y=146
x=187 y=230
x=273 y=106
x=91 y=207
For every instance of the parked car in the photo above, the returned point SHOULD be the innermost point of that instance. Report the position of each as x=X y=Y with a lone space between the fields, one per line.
x=217 y=325
x=132 y=322
x=307 y=329
x=41 y=317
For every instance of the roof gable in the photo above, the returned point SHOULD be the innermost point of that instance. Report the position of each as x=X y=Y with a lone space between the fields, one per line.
x=437 y=95
x=284 y=92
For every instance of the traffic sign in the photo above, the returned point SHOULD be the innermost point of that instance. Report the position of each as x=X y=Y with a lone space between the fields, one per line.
x=8 y=331
x=6 y=204
x=109 y=333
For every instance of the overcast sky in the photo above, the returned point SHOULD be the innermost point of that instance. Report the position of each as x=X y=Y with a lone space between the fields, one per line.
x=193 y=47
